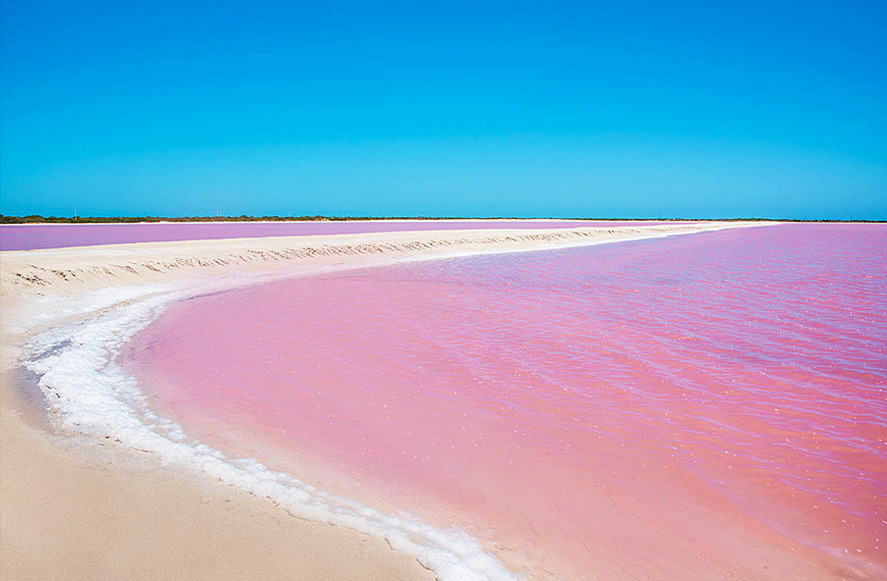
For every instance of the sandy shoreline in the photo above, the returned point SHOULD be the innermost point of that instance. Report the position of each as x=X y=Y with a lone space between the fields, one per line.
x=80 y=507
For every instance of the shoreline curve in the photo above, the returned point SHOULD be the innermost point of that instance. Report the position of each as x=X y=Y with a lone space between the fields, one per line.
x=50 y=289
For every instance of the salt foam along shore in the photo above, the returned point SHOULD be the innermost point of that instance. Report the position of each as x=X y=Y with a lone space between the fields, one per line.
x=69 y=311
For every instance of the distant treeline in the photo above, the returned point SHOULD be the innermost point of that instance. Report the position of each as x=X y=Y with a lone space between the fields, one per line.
x=37 y=219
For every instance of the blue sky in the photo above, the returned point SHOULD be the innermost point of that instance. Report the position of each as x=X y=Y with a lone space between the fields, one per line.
x=585 y=109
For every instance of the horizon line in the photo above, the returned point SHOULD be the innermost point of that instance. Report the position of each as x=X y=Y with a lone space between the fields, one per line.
x=41 y=219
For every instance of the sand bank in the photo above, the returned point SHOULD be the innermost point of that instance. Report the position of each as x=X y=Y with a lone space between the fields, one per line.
x=78 y=505
x=70 y=513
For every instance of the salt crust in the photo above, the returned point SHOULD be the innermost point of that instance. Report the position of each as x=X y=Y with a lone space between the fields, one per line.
x=89 y=393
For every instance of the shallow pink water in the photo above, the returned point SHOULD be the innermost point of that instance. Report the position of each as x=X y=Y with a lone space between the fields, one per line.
x=656 y=408
x=35 y=236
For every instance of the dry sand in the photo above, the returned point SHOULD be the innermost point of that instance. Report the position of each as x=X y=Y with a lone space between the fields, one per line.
x=81 y=508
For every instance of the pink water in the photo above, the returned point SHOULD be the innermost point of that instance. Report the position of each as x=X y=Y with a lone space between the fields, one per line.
x=35 y=236
x=705 y=406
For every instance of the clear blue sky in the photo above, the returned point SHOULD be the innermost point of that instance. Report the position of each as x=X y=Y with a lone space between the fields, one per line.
x=610 y=109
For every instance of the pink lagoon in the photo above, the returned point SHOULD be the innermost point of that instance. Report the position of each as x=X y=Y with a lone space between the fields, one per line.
x=711 y=406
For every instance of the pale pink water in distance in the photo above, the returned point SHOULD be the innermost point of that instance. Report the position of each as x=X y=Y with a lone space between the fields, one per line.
x=36 y=236
x=688 y=407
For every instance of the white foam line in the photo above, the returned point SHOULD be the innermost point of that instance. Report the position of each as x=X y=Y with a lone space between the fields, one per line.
x=90 y=394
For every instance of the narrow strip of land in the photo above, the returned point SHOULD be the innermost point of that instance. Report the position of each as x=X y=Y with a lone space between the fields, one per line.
x=90 y=510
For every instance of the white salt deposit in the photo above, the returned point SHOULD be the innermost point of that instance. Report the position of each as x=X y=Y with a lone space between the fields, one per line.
x=89 y=393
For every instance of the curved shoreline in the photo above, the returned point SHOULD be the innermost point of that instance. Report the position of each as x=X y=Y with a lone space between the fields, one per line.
x=51 y=288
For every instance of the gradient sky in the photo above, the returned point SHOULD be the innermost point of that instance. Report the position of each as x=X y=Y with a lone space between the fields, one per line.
x=572 y=109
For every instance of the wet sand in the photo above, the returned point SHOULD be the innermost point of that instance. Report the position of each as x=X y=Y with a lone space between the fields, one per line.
x=96 y=513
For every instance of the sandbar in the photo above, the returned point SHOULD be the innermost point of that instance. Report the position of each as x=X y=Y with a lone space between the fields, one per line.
x=77 y=506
